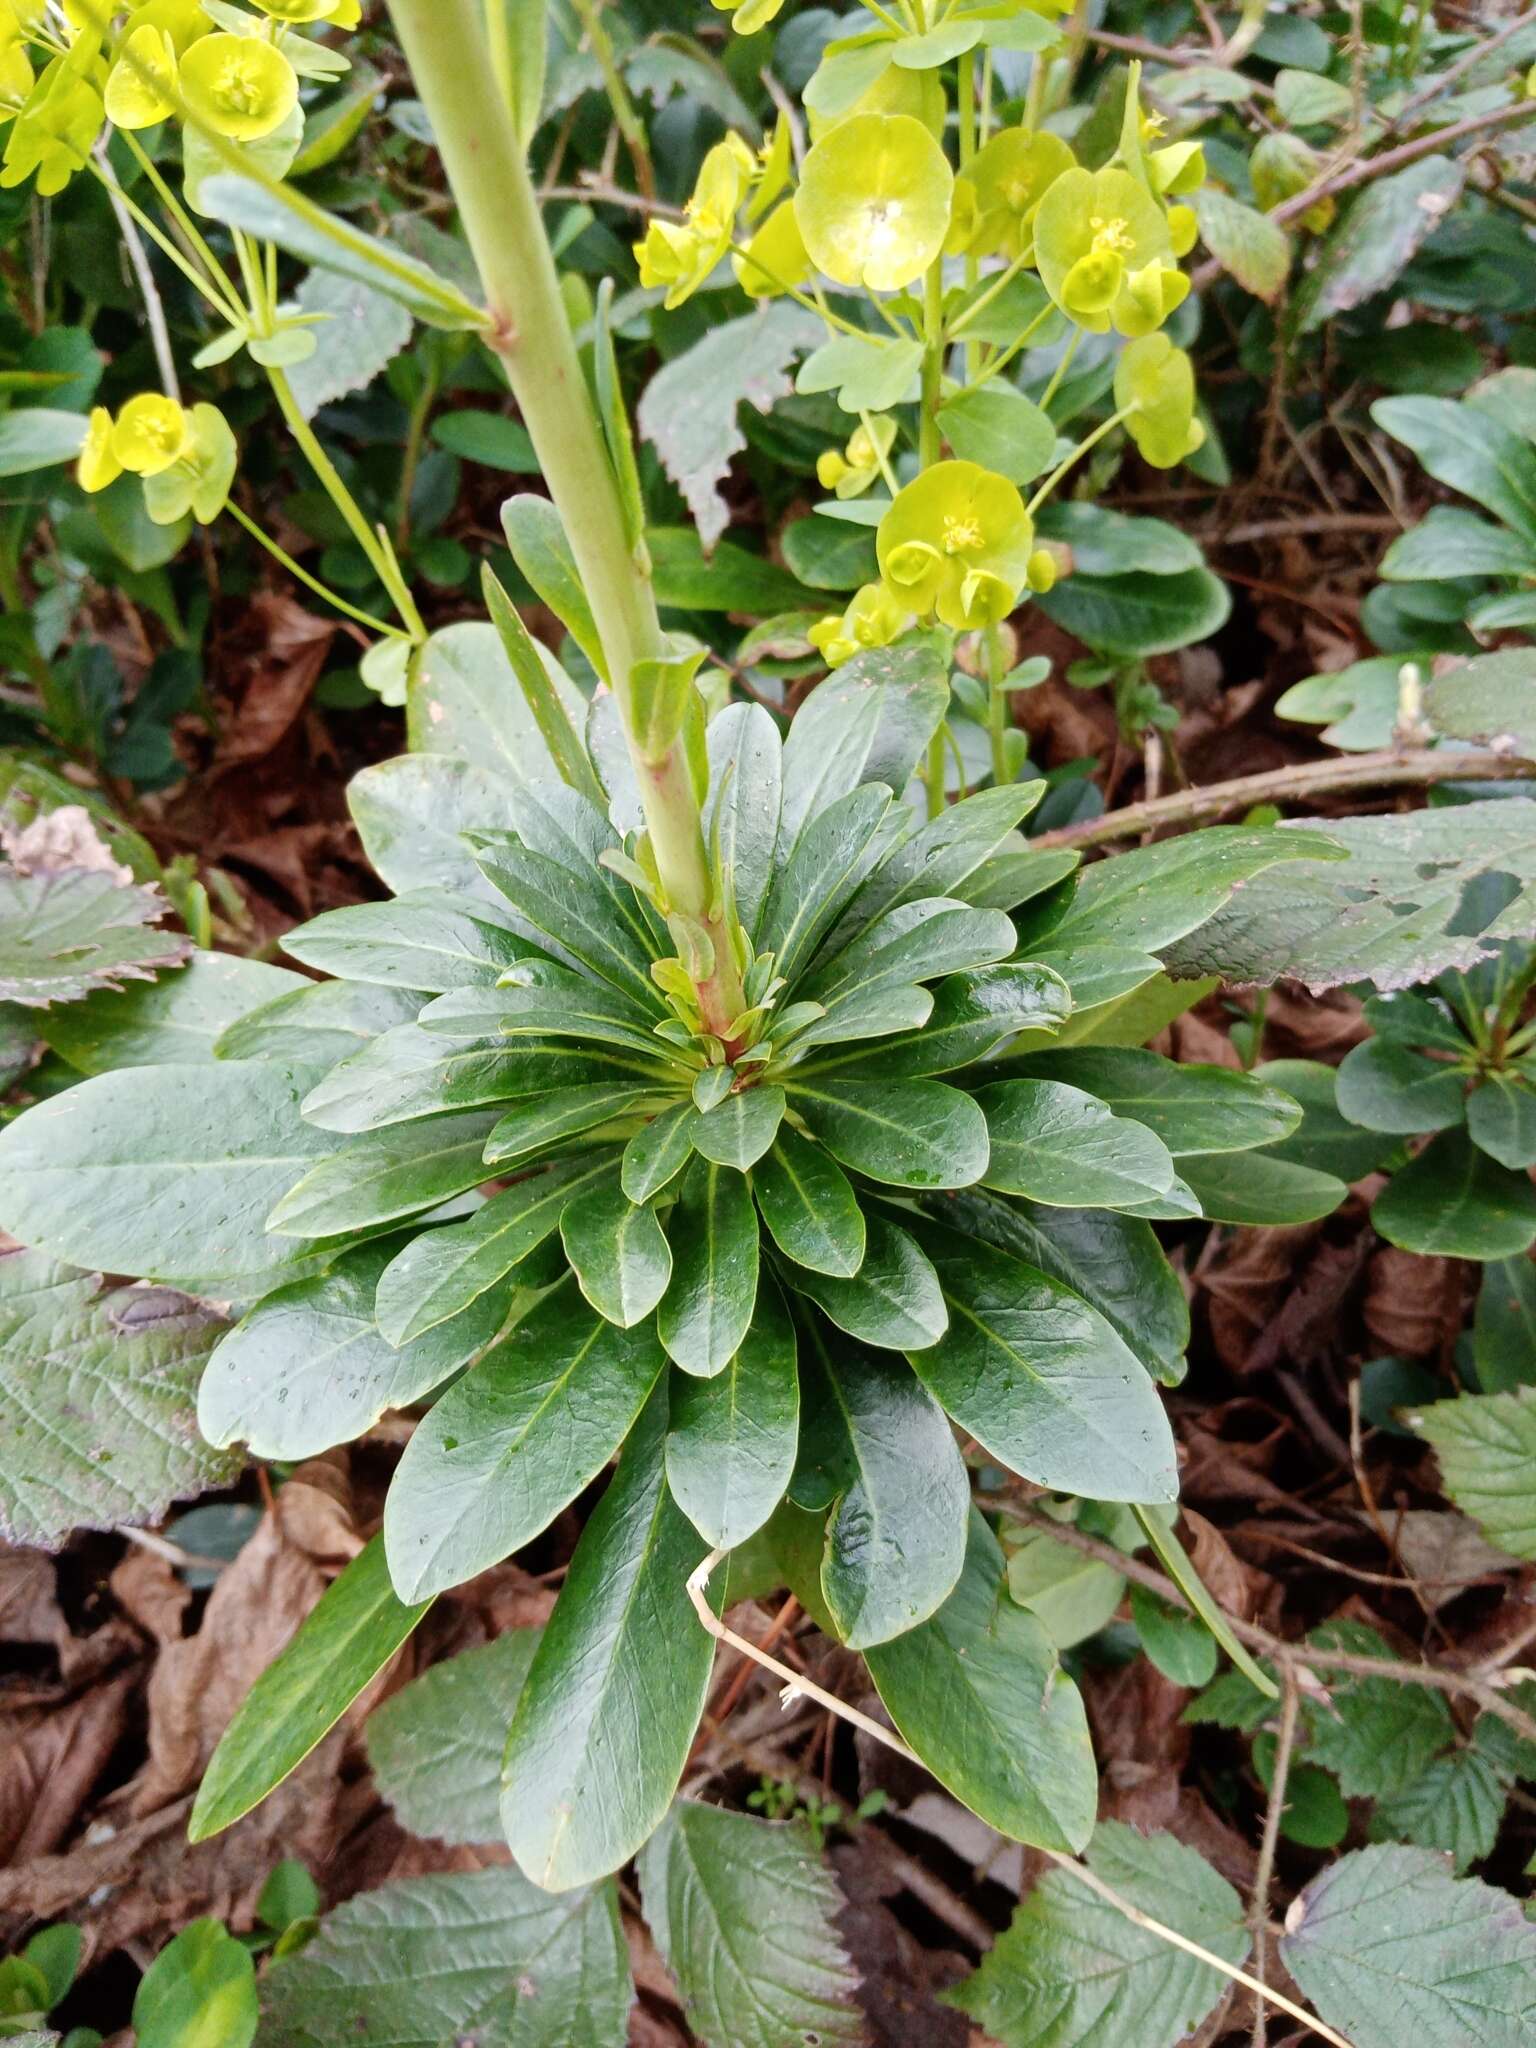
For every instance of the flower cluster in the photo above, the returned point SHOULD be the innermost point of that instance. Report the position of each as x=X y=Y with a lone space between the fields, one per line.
x=185 y=456
x=228 y=73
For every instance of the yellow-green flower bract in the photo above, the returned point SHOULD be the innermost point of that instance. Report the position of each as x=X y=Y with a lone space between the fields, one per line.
x=957 y=541
x=873 y=203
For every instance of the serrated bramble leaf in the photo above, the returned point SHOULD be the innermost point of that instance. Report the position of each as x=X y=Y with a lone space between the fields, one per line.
x=1390 y=1948
x=1486 y=1445
x=66 y=1345
x=1073 y=1972
x=435 y=1746
x=743 y=1913
x=70 y=930
x=482 y=1956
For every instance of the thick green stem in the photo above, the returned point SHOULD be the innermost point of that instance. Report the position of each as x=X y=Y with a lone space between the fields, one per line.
x=444 y=44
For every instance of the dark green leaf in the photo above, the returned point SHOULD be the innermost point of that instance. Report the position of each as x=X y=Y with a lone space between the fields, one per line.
x=386 y=1174
x=1059 y=1145
x=910 y=1134
x=1387 y=1086
x=892 y=1301
x=617 y=1252
x=1191 y=1108
x=833 y=853
x=809 y=1205
x=1504 y=1329
x=440 y=1272
x=542 y=1122
x=979 y=1695
x=543 y=554
x=1041 y=1379
x=656 y=1154
x=739 y=1130
x=319 y=1024
x=411 y=814
x=1114 y=1262
x=870 y=723
x=613 y=1698
x=1138 y=615
x=309 y=1368
x=741 y=816
x=1259 y=1188
x=513 y=1441
x=165 y=1172
x=1001 y=429
x=707 y=1310
x=1501 y=1119
x=1324 y=1140
x=1453 y=1201
x=731 y=1447
x=896 y=1535
x=422 y=940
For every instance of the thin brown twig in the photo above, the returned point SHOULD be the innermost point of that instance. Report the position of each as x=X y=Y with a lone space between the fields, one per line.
x=1333 y=183
x=1303 y=1656
x=1385 y=770
x=1458 y=70
x=1274 y=1813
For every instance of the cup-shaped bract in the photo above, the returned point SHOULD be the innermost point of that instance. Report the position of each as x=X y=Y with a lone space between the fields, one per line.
x=957 y=541
x=873 y=203
x=239 y=86
x=1011 y=174
x=1155 y=386
x=1104 y=252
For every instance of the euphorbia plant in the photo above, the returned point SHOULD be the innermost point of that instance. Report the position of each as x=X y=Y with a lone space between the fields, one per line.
x=803 y=1158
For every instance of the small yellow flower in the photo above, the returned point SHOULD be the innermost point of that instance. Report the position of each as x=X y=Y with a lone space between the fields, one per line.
x=1155 y=384
x=1012 y=173
x=55 y=131
x=747 y=18
x=682 y=257
x=856 y=468
x=15 y=79
x=98 y=466
x=957 y=541
x=182 y=20
x=297 y=10
x=873 y=203
x=775 y=257
x=150 y=434
x=773 y=170
x=875 y=617
x=1177 y=170
x=198 y=481
x=141 y=86
x=1105 y=253
x=238 y=86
